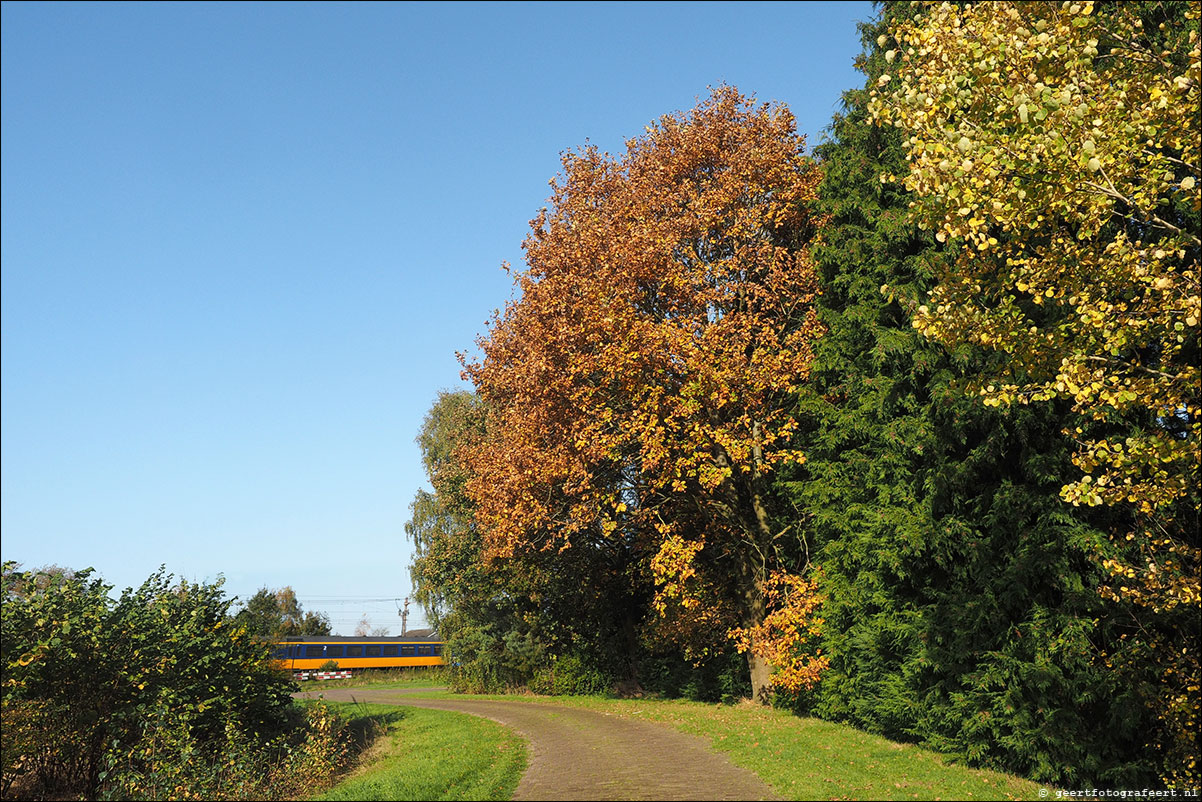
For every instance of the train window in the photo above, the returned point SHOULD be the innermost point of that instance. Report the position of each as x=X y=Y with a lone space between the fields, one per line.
x=438 y=650
x=407 y=651
x=390 y=651
x=279 y=654
x=315 y=651
x=354 y=651
x=373 y=651
x=423 y=651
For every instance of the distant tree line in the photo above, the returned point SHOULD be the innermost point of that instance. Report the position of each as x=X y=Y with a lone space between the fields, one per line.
x=275 y=614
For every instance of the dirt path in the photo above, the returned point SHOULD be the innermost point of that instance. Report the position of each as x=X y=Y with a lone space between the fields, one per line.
x=579 y=754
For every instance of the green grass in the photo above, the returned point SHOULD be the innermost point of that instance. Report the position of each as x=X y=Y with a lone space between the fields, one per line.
x=421 y=677
x=431 y=754
x=801 y=758
x=807 y=758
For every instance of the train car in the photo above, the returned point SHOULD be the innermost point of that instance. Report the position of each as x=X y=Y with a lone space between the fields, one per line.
x=308 y=653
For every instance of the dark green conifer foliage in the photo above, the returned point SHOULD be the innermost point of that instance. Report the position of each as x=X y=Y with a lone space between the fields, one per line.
x=961 y=601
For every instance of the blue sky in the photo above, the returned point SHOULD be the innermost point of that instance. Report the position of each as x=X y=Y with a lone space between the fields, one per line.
x=241 y=244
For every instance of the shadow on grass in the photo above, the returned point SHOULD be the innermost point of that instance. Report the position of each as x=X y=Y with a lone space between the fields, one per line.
x=367 y=726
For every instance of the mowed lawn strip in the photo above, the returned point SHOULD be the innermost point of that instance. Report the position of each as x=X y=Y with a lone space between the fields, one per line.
x=807 y=758
x=432 y=754
x=383 y=678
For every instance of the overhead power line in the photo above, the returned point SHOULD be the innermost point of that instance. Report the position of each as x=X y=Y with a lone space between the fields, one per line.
x=349 y=599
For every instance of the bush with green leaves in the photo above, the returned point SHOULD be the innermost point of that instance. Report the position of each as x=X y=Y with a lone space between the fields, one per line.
x=494 y=658
x=85 y=675
x=721 y=678
x=169 y=763
x=571 y=675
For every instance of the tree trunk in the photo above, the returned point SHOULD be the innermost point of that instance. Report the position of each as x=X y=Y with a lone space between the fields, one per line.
x=761 y=670
x=761 y=678
x=746 y=508
x=754 y=613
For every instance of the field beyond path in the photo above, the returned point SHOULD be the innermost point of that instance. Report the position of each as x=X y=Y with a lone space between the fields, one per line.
x=582 y=754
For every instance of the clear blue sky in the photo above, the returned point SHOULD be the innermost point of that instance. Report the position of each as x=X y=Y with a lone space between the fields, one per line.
x=242 y=243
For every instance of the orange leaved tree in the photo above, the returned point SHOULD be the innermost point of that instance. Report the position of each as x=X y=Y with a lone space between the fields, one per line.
x=637 y=387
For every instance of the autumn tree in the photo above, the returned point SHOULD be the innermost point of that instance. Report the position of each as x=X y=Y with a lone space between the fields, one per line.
x=466 y=602
x=502 y=620
x=1056 y=146
x=636 y=388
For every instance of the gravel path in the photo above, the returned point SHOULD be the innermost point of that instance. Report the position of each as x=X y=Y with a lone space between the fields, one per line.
x=580 y=754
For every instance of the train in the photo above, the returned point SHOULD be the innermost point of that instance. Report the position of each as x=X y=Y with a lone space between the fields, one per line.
x=311 y=652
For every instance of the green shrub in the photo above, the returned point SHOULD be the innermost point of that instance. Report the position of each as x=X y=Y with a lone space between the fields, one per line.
x=493 y=660
x=723 y=678
x=157 y=694
x=570 y=675
x=39 y=749
x=172 y=765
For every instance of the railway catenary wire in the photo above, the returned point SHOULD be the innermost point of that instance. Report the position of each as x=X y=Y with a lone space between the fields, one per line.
x=364 y=607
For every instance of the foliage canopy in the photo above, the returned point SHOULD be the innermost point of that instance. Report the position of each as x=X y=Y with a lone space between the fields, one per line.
x=636 y=391
x=1056 y=147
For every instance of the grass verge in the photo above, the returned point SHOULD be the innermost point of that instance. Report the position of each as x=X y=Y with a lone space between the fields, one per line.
x=420 y=677
x=430 y=754
x=807 y=758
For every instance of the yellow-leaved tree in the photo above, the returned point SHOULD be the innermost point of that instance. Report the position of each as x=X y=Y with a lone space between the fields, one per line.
x=1055 y=147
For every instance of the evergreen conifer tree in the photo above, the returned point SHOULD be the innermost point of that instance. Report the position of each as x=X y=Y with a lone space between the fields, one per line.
x=961 y=609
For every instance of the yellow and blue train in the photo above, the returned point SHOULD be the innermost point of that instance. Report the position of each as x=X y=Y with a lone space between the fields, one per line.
x=311 y=652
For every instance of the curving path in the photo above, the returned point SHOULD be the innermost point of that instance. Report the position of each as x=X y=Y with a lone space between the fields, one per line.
x=580 y=754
